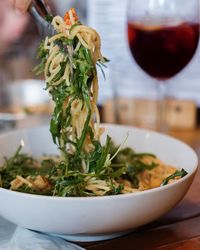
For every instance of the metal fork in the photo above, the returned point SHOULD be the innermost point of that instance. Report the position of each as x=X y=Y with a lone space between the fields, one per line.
x=39 y=11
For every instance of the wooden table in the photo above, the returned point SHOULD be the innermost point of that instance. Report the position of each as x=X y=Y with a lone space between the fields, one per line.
x=177 y=230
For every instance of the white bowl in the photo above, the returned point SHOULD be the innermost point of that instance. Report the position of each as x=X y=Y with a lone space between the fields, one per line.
x=96 y=218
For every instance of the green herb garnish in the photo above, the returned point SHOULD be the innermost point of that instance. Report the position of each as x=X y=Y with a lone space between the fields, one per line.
x=177 y=173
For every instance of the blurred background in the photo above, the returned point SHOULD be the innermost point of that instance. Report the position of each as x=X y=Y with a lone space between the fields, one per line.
x=127 y=95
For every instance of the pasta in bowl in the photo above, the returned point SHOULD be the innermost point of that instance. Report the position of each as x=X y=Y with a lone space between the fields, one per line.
x=85 y=166
x=96 y=217
x=85 y=187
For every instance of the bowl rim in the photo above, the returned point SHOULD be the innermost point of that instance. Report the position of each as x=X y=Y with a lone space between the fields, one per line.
x=108 y=197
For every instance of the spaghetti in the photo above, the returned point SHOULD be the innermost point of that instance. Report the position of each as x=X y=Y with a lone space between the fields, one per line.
x=62 y=50
x=85 y=167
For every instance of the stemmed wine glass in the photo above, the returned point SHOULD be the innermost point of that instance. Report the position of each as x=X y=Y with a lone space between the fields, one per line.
x=163 y=36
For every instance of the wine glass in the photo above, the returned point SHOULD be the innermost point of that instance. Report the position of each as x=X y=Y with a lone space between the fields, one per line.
x=163 y=36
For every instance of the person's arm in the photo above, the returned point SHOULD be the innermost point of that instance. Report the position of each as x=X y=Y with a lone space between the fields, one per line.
x=20 y=6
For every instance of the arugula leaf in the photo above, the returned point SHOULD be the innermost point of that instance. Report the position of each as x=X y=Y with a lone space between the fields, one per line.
x=49 y=18
x=178 y=173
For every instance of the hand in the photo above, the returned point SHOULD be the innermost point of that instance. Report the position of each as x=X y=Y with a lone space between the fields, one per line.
x=21 y=6
x=12 y=25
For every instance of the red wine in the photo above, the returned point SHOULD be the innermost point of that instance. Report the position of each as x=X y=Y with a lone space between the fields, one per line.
x=163 y=51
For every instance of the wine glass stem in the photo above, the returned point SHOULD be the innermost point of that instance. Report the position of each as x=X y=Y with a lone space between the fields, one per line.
x=161 y=107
